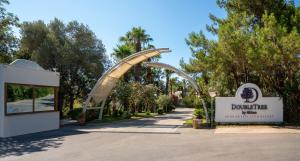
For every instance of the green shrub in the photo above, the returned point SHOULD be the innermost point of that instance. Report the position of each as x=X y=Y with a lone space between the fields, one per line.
x=148 y=113
x=123 y=93
x=160 y=111
x=75 y=113
x=188 y=101
x=115 y=113
x=164 y=102
x=192 y=102
x=120 y=112
x=92 y=114
x=175 y=100
x=148 y=97
x=126 y=115
x=170 y=107
x=199 y=113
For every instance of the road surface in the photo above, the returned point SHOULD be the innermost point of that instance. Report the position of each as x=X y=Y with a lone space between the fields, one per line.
x=175 y=143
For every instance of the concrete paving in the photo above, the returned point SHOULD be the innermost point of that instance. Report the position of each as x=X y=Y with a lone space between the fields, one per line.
x=168 y=123
x=186 y=144
x=257 y=130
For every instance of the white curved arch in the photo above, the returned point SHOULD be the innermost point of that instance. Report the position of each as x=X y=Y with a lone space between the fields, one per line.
x=108 y=80
x=183 y=75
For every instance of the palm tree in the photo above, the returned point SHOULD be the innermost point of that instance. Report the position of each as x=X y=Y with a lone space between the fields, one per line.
x=120 y=52
x=173 y=82
x=168 y=74
x=138 y=39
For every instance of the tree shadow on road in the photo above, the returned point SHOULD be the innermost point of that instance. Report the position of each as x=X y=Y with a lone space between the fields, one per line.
x=26 y=144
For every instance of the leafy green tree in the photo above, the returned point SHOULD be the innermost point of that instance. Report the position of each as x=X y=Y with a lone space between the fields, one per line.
x=149 y=96
x=257 y=42
x=72 y=49
x=123 y=94
x=158 y=78
x=8 y=41
x=163 y=101
x=283 y=10
x=135 y=98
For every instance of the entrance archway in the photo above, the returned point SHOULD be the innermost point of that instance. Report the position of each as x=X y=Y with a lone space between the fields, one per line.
x=183 y=75
x=108 y=80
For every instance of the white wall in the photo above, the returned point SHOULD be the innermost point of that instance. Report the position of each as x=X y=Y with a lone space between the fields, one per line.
x=13 y=125
x=30 y=123
x=25 y=76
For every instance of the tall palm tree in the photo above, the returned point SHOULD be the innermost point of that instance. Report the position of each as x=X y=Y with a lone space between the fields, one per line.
x=168 y=74
x=138 y=39
x=173 y=82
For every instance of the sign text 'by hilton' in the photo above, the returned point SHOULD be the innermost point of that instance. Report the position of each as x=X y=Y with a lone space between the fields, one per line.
x=248 y=105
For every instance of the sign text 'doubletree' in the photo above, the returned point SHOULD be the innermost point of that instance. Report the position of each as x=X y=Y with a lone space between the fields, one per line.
x=249 y=106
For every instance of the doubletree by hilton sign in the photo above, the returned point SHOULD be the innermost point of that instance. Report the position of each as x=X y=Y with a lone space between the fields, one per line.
x=248 y=106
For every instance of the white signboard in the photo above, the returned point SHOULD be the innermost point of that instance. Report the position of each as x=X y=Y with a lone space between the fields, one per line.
x=248 y=106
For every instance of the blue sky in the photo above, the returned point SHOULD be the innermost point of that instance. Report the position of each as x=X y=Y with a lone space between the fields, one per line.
x=167 y=21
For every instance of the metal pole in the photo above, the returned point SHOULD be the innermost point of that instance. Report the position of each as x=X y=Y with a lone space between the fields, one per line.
x=211 y=112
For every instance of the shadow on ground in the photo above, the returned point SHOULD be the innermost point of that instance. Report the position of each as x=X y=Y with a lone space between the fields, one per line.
x=26 y=144
x=43 y=141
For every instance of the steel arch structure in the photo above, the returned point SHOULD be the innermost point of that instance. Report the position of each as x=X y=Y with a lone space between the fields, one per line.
x=108 y=80
x=183 y=75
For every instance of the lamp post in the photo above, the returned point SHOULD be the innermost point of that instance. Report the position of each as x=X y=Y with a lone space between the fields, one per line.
x=212 y=94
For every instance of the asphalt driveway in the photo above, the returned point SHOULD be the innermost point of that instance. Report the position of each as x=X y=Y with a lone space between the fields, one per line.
x=182 y=144
x=168 y=123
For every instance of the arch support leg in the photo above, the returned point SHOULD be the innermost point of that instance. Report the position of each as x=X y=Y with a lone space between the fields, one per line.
x=205 y=110
x=101 y=109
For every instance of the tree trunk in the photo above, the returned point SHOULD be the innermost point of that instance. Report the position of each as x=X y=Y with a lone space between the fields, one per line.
x=126 y=77
x=71 y=102
x=137 y=73
x=137 y=68
x=167 y=83
x=114 y=106
x=126 y=105
x=60 y=101
x=149 y=75
x=183 y=88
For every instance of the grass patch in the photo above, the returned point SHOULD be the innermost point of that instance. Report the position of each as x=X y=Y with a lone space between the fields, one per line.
x=143 y=115
x=110 y=119
x=189 y=122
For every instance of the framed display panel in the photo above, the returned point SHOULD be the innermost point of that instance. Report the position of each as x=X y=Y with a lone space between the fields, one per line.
x=24 y=99
x=19 y=99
